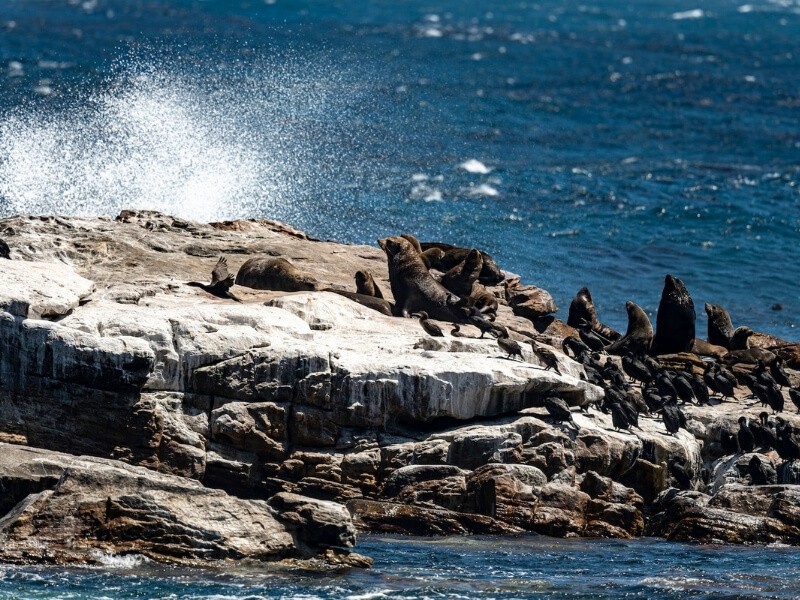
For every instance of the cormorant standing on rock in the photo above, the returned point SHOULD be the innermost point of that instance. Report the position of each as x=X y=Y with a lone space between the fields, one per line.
x=221 y=281
x=760 y=472
x=456 y=331
x=507 y=345
x=546 y=356
x=431 y=329
x=678 y=470
x=728 y=442
x=5 y=251
x=775 y=398
x=636 y=369
x=618 y=416
x=558 y=409
x=780 y=376
x=476 y=318
x=578 y=348
x=745 y=437
x=673 y=416
x=785 y=445
x=794 y=396
x=591 y=338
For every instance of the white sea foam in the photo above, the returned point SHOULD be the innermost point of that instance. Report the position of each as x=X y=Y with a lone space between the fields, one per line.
x=484 y=190
x=696 y=13
x=475 y=166
x=126 y=561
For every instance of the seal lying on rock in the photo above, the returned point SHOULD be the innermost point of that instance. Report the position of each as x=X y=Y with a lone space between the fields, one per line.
x=382 y=306
x=221 y=281
x=490 y=272
x=413 y=287
x=675 y=321
x=483 y=300
x=582 y=309
x=365 y=284
x=638 y=336
x=276 y=274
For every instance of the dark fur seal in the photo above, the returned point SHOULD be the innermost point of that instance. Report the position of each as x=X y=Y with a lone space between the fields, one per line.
x=276 y=274
x=365 y=284
x=582 y=309
x=221 y=281
x=483 y=300
x=413 y=287
x=5 y=251
x=740 y=340
x=379 y=304
x=720 y=326
x=460 y=278
x=638 y=336
x=431 y=257
x=490 y=272
x=675 y=320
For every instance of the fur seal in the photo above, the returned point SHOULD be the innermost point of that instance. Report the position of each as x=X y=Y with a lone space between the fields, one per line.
x=461 y=278
x=675 y=320
x=720 y=326
x=379 y=304
x=638 y=336
x=413 y=287
x=5 y=251
x=740 y=340
x=221 y=281
x=490 y=272
x=582 y=309
x=483 y=300
x=431 y=257
x=276 y=274
x=365 y=284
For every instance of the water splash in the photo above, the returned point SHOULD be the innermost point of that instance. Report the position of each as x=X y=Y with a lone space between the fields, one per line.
x=233 y=142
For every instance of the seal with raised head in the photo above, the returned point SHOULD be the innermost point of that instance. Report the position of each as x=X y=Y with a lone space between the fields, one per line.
x=490 y=272
x=720 y=326
x=582 y=309
x=413 y=287
x=431 y=257
x=461 y=278
x=365 y=284
x=276 y=274
x=675 y=321
x=638 y=336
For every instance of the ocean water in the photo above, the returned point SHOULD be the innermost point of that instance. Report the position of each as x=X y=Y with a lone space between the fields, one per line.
x=464 y=568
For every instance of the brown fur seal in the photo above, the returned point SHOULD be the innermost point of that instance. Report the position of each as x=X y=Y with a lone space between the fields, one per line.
x=582 y=309
x=365 y=284
x=484 y=300
x=413 y=287
x=276 y=274
x=750 y=356
x=675 y=320
x=431 y=257
x=740 y=340
x=379 y=304
x=720 y=326
x=638 y=336
x=460 y=278
x=490 y=272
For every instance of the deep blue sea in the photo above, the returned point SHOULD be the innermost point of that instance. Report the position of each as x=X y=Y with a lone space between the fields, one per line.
x=600 y=143
x=463 y=568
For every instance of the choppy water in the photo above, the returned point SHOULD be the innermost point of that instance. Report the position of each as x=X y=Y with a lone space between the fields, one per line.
x=472 y=567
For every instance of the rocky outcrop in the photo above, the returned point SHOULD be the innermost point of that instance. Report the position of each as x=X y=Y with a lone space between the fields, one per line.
x=308 y=400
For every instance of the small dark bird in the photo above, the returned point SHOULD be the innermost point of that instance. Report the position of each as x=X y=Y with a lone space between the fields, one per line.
x=673 y=417
x=507 y=345
x=684 y=387
x=775 y=398
x=618 y=416
x=612 y=373
x=760 y=391
x=761 y=473
x=576 y=346
x=546 y=356
x=558 y=409
x=652 y=398
x=780 y=376
x=618 y=398
x=5 y=251
x=430 y=328
x=678 y=470
x=221 y=281
x=477 y=319
x=723 y=382
x=794 y=396
x=785 y=445
x=665 y=385
x=763 y=376
x=763 y=432
x=591 y=338
x=456 y=331
x=652 y=364
x=728 y=442
x=745 y=437
x=636 y=369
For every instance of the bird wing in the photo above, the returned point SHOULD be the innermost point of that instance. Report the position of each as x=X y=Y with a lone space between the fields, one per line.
x=220 y=273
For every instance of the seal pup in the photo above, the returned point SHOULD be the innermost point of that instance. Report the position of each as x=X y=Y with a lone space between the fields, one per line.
x=461 y=278
x=221 y=281
x=638 y=336
x=276 y=274
x=365 y=284
x=431 y=257
x=490 y=273
x=413 y=287
x=582 y=309
x=483 y=300
x=720 y=326
x=379 y=304
x=431 y=329
x=5 y=251
x=740 y=340
x=675 y=320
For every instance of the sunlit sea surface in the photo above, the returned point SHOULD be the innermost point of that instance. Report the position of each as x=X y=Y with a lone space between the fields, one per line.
x=470 y=567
